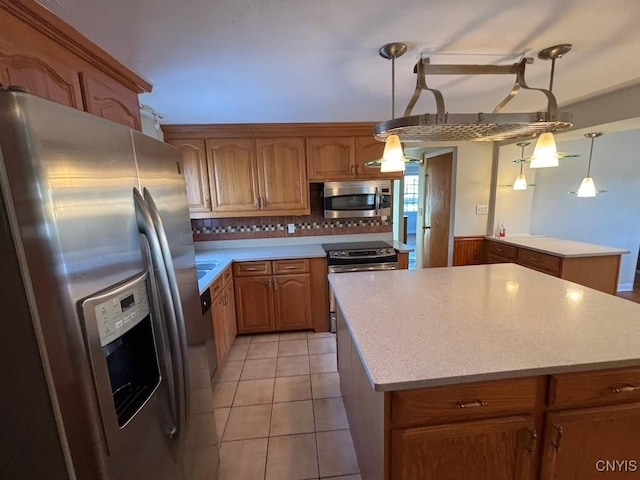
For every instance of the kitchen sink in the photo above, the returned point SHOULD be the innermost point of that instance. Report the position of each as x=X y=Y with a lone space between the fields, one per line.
x=202 y=273
x=208 y=265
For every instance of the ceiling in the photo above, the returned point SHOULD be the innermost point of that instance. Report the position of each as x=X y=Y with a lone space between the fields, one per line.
x=246 y=61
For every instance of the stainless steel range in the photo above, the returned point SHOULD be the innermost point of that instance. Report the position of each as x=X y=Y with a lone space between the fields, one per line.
x=357 y=257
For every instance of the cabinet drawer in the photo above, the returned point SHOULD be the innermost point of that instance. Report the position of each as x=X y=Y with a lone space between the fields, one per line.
x=498 y=259
x=607 y=386
x=299 y=265
x=227 y=276
x=539 y=261
x=250 y=269
x=216 y=288
x=460 y=402
x=508 y=252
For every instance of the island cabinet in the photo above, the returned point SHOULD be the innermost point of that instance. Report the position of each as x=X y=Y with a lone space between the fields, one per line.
x=549 y=427
x=48 y=58
x=599 y=272
x=224 y=314
x=344 y=158
x=273 y=296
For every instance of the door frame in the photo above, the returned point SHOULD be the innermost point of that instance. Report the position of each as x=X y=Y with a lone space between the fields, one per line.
x=434 y=152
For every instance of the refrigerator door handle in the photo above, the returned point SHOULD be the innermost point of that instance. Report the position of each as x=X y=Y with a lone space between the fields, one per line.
x=175 y=296
x=146 y=227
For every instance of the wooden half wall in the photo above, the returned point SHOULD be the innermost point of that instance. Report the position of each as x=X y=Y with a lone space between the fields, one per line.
x=469 y=250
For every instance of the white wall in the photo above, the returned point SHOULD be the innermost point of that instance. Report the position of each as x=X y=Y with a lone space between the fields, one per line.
x=611 y=218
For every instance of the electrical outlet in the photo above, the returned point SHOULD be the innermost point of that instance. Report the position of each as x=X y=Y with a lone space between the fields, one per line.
x=291 y=227
x=482 y=209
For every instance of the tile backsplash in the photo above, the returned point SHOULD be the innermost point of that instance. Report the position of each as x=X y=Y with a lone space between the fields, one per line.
x=272 y=227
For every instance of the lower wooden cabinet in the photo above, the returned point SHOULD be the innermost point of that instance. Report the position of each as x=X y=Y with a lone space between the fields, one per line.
x=223 y=316
x=496 y=449
x=278 y=302
x=588 y=443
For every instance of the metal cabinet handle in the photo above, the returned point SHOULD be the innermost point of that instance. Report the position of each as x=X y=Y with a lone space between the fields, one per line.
x=556 y=441
x=275 y=283
x=626 y=388
x=290 y=267
x=252 y=269
x=270 y=283
x=476 y=403
x=352 y=168
x=533 y=442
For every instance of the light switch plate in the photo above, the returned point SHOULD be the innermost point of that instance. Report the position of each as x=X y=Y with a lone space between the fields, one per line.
x=291 y=227
x=482 y=209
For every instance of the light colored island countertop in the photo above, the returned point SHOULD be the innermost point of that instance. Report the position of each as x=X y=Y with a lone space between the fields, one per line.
x=445 y=326
x=560 y=247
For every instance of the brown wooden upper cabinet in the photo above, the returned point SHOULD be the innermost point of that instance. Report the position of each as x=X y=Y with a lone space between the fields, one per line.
x=245 y=176
x=344 y=158
x=48 y=58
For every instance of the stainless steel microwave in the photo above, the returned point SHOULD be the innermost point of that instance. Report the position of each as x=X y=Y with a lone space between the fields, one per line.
x=357 y=199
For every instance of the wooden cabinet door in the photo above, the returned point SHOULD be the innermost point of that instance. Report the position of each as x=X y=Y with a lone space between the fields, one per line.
x=254 y=304
x=282 y=176
x=579 y=442
x=231 y=327
x=495 y=449
x=368 y=149
x=330 y=158
x=292 y=301
x=194 y=166
x=109 y=99
x=60 y=84
x=232 y=176
x=217 y=312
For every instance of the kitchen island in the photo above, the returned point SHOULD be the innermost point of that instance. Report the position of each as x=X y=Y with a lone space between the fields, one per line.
x=486 y=372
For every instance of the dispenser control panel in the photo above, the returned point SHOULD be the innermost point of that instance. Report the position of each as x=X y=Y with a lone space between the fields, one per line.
x=121 y=312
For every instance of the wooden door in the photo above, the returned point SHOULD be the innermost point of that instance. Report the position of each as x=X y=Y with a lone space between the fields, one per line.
x=495 y=449
x=60 y=84
x=109 y=99
x=437 y=211
x=579 y=442
x=368 y=149
x=282 y=176
x=232 y=176
x=194 y=167
x=231 y=327
x=292 y=301
x=254 y=304
x=331 y=158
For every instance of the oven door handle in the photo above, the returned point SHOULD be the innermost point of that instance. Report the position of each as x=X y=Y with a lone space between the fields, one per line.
x=377 y=201
x=363 y=267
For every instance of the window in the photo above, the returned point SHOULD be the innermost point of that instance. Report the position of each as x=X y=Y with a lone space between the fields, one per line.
x=411 y=193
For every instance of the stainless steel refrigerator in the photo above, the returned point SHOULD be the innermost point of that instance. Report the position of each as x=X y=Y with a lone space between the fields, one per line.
x=106 y=360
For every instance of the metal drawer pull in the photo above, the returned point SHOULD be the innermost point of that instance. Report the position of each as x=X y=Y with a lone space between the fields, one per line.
x=556 y=442
x=533 y=442
x=477 y=403
x=290 y=267
x=628 y=388
x=252 y=269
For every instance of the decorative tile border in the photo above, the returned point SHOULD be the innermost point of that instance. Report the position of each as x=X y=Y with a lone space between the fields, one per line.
x=337 y=224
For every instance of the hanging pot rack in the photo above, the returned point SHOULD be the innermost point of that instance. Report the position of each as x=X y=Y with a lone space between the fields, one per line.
x=495 y=126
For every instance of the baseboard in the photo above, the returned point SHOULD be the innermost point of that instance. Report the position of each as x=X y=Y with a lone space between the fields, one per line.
x=625 y=287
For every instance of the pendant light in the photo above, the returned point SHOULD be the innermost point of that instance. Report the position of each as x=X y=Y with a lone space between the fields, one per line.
x=393 y=158
x=545 y=153
x=520 y=182
x=587 y=187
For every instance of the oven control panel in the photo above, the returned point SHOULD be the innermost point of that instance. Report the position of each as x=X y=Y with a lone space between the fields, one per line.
x=370 y=253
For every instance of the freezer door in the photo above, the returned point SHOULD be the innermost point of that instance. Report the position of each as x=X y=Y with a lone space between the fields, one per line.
x=161 y=175
x=67 y=178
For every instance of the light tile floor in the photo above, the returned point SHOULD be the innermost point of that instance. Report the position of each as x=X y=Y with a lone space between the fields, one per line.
x=279 y=413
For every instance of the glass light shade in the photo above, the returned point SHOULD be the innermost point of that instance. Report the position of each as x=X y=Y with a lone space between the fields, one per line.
x=392 y=158
x=545 y=154
x=587 y=188
x=520 y=183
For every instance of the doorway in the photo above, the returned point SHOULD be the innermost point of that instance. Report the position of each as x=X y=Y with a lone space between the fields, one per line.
x=434 y=219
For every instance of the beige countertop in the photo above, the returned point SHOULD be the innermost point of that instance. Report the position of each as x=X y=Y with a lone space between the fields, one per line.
x=441 y=326
x=559 y=247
